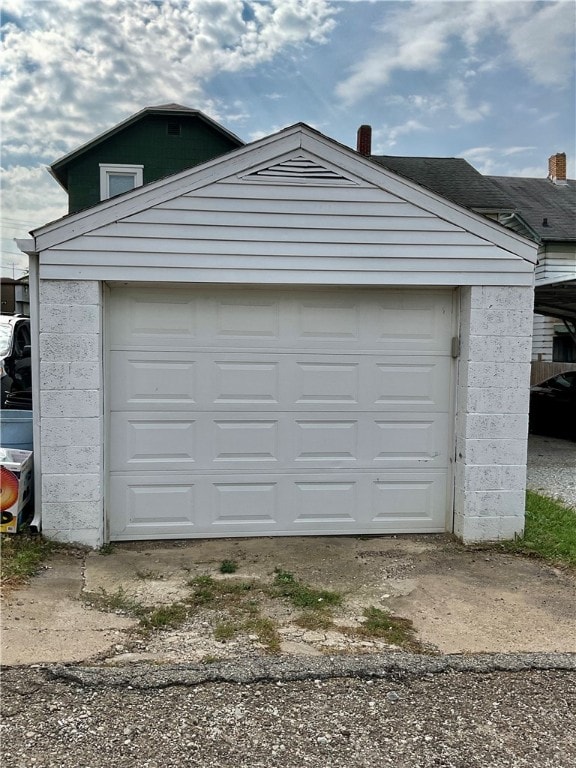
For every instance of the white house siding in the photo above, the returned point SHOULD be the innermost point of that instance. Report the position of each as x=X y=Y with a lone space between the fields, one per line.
x=556 y=262
x=71 y=422
x=492 y=412
x=543 y=338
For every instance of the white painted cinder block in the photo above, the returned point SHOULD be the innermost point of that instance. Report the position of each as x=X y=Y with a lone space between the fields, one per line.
x=492 y=412
x=79 y=432
x=71 y=411
x=67 y=292
x=66 y=403
x=66 y=318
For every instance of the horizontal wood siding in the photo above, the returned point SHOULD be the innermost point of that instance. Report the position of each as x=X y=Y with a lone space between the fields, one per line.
x=270 y=231
x=556 y=261
x=542 y=337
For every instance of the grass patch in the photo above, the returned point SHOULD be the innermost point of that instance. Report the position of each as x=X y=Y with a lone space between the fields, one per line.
x=228 y=566
x=225 y=630
x=385 y=626
x=160 y=617
x=549 y=533
x=302 y=595
x=208 y=592
x=266 y=630
x=239 y=599
x=22 y=556
x=165 y=617
x=106 y=549
x=315 y=620
x=116 y=602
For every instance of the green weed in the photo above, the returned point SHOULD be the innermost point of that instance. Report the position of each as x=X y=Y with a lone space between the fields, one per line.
x=228 y=566
x=22 y=555
x=302 y=595
x=315 y=620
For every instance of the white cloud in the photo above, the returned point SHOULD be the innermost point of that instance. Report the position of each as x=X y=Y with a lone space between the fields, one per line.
x=70 y=62
x=505 y=161
x=417 y=37
x=387 y=136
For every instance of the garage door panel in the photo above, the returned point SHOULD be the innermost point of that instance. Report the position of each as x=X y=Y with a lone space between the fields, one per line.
x=313 y=382
x=406 y=321
x=325 y=383
x=408 y=440
x=152 y=441
x=161 y=380
x=245 y=504
x=150 y=317
x=149 y=507
x=207 y=505
x=415 y=498
x=236 y=382
x=404 y=383
x=247 y=317
x=244 y=441
x=325 y=441
x=206 y=442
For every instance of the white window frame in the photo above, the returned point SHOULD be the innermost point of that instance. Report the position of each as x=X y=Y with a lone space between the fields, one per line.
x=109 y=169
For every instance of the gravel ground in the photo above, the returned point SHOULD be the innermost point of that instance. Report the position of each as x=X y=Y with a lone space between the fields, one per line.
x=552 y=467
x=450 y=718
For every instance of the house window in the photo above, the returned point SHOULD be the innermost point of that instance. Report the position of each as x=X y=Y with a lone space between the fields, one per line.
x=116 y=178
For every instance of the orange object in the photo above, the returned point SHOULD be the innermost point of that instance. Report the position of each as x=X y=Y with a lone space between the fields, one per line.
x=8 y=489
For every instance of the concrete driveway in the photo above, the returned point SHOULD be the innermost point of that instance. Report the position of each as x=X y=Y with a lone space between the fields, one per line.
x=460 y=600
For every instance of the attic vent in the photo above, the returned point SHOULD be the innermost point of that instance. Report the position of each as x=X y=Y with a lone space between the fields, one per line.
x=299 y=169
x=173 y=129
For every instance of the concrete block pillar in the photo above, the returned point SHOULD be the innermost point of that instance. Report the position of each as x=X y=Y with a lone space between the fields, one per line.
x=71 y=410
x=492 y=412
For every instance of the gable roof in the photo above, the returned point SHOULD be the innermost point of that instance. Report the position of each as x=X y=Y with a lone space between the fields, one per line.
x=549 y=209
x=453 y=178
x=297 y=150
x=58 y=167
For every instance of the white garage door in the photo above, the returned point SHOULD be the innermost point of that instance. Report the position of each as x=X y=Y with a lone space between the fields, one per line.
x=248 y=411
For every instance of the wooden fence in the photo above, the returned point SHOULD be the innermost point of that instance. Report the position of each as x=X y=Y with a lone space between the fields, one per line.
x=541 y=370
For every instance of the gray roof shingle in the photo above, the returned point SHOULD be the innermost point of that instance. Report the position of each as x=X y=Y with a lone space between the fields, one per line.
x=451 y=177
x=550 y=209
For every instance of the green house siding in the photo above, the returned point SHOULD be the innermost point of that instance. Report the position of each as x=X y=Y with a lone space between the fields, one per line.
x=146 y=143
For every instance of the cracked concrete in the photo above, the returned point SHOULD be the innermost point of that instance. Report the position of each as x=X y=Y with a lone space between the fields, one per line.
x=460 y=600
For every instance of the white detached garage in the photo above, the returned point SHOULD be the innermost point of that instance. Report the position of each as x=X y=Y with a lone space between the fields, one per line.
x=286 y=340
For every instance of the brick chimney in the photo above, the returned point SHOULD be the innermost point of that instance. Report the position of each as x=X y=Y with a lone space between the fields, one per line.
x=557 y=168
x=364 y=140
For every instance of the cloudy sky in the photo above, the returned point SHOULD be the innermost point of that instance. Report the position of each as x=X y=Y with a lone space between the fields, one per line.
x=488 y=80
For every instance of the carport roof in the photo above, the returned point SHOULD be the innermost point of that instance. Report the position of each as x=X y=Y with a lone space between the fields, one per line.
x=556 y=299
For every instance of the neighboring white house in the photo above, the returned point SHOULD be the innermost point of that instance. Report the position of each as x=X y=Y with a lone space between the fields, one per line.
x=288 y=339
x=542 y=209
x=546 y=210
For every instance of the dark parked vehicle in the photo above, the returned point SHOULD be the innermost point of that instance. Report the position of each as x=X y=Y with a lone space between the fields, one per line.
x=15 y=362
x=553 y=406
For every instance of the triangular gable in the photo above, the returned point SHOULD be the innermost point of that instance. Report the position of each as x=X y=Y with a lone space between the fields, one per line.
x=295 y=156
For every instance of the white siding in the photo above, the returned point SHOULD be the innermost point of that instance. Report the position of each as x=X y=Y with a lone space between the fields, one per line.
x=260 y=227
x=542 y=339
x=556 y=262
